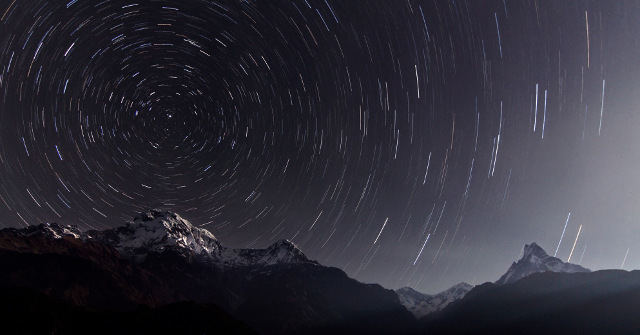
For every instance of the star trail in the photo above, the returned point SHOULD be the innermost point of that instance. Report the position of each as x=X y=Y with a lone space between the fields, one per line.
x=407 y=142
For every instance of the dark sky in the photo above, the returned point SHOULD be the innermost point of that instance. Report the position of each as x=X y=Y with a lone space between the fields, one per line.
x=416 y=143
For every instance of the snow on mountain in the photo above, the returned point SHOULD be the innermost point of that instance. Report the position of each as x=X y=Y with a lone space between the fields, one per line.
x=535 y=259
x=50 y=230
x=156 y=231
x=281 y=252
x=421 y=304
x=412 y=300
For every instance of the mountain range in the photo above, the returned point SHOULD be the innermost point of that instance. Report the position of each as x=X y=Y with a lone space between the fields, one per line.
x=600 y=302
x=534 y=260
x=160 y=274
x=160 y=259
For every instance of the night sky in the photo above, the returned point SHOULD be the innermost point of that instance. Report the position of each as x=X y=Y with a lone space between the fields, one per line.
x=418 y=143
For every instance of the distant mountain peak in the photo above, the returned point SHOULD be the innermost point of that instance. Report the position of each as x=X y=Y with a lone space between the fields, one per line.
x=459 y=290
x=407 y=289
x=535 y=259
x=421 y=304
x=284 y=244
x=282 y=251
x=462 y=285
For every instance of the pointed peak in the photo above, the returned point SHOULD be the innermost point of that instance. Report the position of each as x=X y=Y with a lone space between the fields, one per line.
x=422 y=304
x=534 y=260
x=535 y=250
x=283 y=251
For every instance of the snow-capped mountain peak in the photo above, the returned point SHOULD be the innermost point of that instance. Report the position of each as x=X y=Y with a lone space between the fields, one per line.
x=283 y=243
x=421 y=304
x=533 y=252
x=535 y=259
x=283 y=251
x=459 y=289
x=155 y=231
x=411 y=297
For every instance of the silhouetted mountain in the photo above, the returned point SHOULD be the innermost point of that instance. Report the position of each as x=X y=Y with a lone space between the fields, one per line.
x=540 y=294
x=307 y=299
x=26 y=311
x=160 y=274
x=84 y=273
x=534 y=260
x=601 y=302
x=160 y=259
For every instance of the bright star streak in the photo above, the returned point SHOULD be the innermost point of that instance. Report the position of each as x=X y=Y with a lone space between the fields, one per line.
x=574 y=244
x=625 y=258
x=561 y=236
x=420 y=253
x=384 y=224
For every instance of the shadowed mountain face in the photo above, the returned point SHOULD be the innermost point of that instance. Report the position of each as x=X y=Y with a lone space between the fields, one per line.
x=540 y=294
x=161 y=259
x=325 y=299
x=26 y=311
x=601 y=302
x=84 y=273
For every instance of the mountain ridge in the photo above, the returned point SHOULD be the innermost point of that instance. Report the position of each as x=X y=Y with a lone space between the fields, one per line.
x=160 y=258
x=156 y=231
x=599 y=302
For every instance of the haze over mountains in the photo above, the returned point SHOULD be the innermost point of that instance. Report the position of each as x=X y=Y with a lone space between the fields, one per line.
x=156 y=272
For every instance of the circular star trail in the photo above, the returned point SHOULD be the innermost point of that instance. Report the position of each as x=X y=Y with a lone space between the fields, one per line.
x=415 y=143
